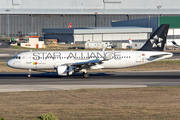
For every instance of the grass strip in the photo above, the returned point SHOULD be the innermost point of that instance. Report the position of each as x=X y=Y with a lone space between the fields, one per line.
x=129 y=103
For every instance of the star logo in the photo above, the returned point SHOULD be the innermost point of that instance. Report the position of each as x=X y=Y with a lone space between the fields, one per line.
x=156 y=41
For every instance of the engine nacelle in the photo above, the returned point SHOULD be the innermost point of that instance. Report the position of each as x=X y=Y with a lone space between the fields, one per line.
x=64 y=70
x=61 y=70
x=97 y=67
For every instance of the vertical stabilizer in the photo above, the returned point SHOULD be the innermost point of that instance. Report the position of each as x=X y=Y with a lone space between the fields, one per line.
x=130 y=42
x=157 y=39
x=70 y=25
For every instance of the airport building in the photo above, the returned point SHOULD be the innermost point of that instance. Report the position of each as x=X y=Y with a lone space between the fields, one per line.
x=154 y=23
x=27 y=16
x=112 y=35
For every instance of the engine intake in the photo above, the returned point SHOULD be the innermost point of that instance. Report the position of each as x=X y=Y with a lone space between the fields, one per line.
x=64 y=70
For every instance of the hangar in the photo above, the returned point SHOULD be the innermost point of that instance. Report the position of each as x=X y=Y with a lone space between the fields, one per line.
x=154 y=23
x=113 y=35
x=28 y=16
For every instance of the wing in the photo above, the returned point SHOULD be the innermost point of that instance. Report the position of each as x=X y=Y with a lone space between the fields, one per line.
x=99 y=61
x=87 y=62
x=90 y=64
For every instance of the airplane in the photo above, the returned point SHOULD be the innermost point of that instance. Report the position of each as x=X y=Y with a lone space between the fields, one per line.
x=175 y=44
x=130 y=44
x=68 y=62
x=70 y=25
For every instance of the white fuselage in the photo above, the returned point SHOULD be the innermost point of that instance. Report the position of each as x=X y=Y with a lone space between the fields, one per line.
x=52 y=59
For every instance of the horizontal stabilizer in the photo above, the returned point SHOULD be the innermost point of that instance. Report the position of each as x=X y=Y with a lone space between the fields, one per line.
x=153 y=57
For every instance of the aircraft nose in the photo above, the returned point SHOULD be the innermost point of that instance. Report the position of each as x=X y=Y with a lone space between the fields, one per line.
x=9 y=63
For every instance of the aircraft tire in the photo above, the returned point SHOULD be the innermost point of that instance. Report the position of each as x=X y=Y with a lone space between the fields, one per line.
x=86 y=75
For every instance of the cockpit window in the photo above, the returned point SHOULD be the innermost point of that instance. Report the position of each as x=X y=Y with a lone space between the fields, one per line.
x=14 y=57
x=17 y=57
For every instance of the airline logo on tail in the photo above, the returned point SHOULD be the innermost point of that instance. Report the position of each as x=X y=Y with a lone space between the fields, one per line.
x=156 y=41
x=70 y=25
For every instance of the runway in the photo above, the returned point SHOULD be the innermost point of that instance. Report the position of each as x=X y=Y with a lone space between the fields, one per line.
x=11 y=82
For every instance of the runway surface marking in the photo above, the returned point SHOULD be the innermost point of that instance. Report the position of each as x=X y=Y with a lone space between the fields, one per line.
x=18 y=88
x=13 y=82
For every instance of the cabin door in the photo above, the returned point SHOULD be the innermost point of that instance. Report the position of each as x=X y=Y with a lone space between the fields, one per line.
x=28 y=58
x=138 y=57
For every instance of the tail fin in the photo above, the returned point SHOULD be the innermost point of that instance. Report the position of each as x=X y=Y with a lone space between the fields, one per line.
x=130 y=42
x=157 y=39
x=70 y=25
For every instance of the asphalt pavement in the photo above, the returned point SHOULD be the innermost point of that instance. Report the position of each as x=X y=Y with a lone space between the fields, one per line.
x=11 y=82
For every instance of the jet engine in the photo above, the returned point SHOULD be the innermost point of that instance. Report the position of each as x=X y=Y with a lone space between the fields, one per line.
x=65 y=70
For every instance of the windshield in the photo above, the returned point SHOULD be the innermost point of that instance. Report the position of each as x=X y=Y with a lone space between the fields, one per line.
x=17 y=57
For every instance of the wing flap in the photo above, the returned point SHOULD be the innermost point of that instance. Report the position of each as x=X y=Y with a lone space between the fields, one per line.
x=86 y=63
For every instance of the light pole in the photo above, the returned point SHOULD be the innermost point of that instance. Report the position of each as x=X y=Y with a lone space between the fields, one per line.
x=7 y=10
x=158 y=7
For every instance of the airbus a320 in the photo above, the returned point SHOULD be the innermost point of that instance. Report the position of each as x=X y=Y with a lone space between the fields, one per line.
x=68 y=62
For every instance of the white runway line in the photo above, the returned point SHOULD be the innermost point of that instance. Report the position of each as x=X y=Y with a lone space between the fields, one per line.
x=1 y=55
x=19 y=88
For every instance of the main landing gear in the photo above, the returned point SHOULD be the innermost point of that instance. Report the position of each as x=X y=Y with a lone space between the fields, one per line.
x=29 y=73
x=85 y=74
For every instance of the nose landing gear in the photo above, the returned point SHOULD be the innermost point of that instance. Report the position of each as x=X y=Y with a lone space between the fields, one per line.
x=29 y=73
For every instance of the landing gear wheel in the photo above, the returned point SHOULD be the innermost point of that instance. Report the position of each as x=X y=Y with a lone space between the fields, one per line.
x=29 y=76
x=86 y=75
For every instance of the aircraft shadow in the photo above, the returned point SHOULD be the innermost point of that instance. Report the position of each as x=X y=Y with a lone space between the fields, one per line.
x=97 y=76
